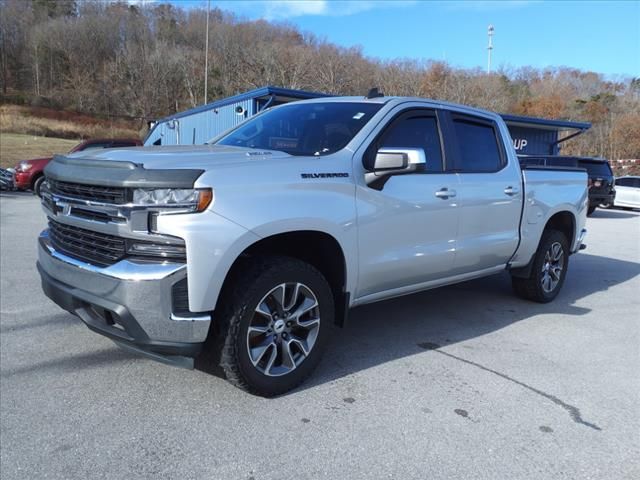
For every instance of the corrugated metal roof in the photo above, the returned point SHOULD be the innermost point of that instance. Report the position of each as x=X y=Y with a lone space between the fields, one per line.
x=252 y=94
x=544 y=123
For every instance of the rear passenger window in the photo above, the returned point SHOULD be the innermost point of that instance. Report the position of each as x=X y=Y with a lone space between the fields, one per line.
x=478 y=147
x=624 y=182
x=417 y=131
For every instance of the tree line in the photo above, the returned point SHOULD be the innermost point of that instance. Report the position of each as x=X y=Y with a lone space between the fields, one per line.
x=147 y=60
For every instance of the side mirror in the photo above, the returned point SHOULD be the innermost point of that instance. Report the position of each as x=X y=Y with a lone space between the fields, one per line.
x=389 y=161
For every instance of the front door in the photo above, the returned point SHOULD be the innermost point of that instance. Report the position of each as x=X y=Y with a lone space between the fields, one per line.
x=407 y=228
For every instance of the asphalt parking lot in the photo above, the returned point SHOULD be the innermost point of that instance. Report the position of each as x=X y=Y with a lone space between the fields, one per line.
x=461 y=382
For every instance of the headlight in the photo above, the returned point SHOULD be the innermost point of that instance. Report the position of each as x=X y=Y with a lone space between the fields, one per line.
x=24 y=166
x=176 y=200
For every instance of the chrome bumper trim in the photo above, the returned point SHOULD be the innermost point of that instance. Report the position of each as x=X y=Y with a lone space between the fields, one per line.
x=122 y=270
x=195 y=318
x=143 y=289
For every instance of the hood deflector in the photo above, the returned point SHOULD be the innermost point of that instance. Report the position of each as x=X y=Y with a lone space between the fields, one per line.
x=117 y=174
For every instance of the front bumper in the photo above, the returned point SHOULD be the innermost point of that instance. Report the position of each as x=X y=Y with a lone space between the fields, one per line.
x=129 y=302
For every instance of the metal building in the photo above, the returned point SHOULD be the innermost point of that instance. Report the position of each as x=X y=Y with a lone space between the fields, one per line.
x=197 y=125
x=531 y=136
x=540 y=136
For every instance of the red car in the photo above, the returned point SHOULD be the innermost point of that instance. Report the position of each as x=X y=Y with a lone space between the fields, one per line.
x=29 y=173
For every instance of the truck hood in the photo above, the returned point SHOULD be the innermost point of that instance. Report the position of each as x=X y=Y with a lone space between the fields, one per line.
x=202 y=157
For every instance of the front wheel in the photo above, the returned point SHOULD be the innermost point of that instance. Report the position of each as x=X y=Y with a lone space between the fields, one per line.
x=274 y=325
x=37 y=186
x=548 y=271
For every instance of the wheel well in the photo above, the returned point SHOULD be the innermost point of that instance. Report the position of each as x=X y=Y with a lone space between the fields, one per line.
x=564 y=222
x=35 y=179
x=316 y=248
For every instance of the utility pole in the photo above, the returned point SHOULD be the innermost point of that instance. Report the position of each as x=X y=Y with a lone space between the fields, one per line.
x=490 y=48
x=206 y=54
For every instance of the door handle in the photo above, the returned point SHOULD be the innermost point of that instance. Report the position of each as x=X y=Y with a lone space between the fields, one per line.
x=445 y=193
x=511 y=191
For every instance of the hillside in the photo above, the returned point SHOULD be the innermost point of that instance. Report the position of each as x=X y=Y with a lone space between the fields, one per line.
x=31 y=132
x=146 y=60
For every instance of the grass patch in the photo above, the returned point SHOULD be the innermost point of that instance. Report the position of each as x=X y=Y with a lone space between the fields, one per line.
x=46 y=122
x=15 y=147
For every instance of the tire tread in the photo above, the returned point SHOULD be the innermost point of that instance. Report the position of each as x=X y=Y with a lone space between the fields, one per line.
x=234 y=306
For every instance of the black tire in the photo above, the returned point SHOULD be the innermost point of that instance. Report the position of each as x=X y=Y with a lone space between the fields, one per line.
x=531 y=288
x=590 y=210
x=247 y=290
x=37 y=185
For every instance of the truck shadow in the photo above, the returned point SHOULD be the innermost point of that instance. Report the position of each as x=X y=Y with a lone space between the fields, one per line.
x=610 y=213
x=393 y=329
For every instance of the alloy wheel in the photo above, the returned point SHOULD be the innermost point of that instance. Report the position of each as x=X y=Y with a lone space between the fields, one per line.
x=283 y=329
x=552 y=267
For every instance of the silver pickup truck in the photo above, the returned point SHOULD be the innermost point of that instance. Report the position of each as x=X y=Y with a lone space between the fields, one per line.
x=248 y=250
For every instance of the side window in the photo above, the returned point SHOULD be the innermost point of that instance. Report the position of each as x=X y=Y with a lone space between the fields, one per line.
x=416 y=131
x=478 y=146
x=624 y=182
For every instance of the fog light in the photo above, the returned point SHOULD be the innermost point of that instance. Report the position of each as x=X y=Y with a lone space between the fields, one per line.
x=163 y=250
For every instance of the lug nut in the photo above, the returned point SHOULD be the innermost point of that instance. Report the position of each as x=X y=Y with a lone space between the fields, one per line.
x=284 y=335
x=288 y=324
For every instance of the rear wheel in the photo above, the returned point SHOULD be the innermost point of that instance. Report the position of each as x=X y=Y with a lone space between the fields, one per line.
x=274 y=325
x=590 y=210
x=37 y=186
x=548 y=270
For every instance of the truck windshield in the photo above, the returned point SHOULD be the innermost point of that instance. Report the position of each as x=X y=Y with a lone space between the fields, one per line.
x=303 y=128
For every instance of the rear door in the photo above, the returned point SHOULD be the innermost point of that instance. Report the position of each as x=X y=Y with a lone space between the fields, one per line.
x=490 y=194
x=407 y=228
x=628 y=191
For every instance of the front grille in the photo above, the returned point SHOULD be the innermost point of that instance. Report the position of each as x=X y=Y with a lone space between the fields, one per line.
x=95 y=193
x=86 y=245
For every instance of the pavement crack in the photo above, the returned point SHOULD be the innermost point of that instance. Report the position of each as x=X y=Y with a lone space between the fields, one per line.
x=574 y=412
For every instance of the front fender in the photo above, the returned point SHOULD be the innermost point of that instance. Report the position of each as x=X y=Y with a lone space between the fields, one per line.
x=213 y=244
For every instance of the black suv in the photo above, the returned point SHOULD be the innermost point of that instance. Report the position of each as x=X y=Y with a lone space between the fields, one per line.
x=601 y=181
